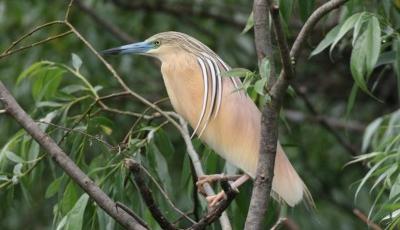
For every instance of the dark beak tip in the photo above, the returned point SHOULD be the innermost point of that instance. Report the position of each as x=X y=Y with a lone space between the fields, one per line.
x=110 y=52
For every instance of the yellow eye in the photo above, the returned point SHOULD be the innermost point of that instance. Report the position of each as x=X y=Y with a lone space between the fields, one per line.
x=157 y=43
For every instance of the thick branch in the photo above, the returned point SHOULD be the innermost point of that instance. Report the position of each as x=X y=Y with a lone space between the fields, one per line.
x=269 y=127
x=58 y=155
x=269 y=122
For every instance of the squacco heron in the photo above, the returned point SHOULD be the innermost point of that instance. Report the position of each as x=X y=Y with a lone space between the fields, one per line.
x=222 y=116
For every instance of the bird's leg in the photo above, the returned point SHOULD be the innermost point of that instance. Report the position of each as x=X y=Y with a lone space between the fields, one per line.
x=212 y=179
x=213 y=200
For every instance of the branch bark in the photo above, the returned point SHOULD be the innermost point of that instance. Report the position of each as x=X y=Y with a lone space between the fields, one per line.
x=269 y=121
x=58 y=155
x=269 y=124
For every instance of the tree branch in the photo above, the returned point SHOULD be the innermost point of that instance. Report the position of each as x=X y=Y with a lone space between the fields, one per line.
x=269 y=121
x=269 y=126
x=58 y=155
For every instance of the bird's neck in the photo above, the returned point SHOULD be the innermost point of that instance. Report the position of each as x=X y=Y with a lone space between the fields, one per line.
x=183 y=81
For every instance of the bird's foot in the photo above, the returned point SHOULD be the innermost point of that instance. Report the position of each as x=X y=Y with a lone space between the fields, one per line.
x=215 y=199
x=210 y=179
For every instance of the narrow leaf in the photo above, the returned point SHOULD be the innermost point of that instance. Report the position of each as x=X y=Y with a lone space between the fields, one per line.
x=76 y=61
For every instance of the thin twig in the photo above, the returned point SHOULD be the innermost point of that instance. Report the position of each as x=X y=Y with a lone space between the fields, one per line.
x=164 y=193
x=366 y=220
x=35 y=44
x=67 y=12
x=278 y=223
x=37 y=28
x=79 y=131
x=147 y=196
x=216 y=212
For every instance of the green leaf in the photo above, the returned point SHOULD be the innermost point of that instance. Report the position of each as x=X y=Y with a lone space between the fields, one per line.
x=328 y=39
x=237 y=72
x=69 y=198
x=395 y=190
x=396 y=65
x=17 y=171
x=357 y=63
x=51 y=104
x=369 y=132
x=388 y=57
x=347 y=25
x=13 y=157
x=249 y=23
x=259 y=86
x=31 y=70
x=75 y=216
x=365 y=54
x=352 y=99
x=53 y=188
x=76 y=61
x=357 y=27
x=73 y=89
x=373 y=44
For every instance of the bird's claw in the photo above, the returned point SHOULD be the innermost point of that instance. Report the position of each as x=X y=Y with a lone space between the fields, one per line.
x=207 y=179
x=215 y=199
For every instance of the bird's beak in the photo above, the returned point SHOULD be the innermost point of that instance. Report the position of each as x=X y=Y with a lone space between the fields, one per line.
x=134 y=48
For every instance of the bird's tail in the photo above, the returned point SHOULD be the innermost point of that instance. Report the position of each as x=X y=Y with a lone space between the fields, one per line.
x=287 y=184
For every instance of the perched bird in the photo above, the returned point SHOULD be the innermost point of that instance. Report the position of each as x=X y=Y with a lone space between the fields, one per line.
x=222 y=116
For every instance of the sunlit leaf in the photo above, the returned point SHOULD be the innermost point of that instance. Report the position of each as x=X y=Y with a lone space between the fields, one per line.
x=395 y=190
x=13 y=157
x=249 y=23
x=75 y=216
x=17 y=171
x=346 y=27
x=369 y=132
x=237 y=72
x=76 y=61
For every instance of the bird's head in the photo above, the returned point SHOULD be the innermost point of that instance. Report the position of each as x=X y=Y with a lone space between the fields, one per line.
x=160 y=44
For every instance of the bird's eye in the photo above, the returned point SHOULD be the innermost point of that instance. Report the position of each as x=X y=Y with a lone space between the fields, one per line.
x=157 y=43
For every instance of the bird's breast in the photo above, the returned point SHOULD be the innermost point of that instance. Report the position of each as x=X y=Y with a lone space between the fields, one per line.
x=235 y=132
